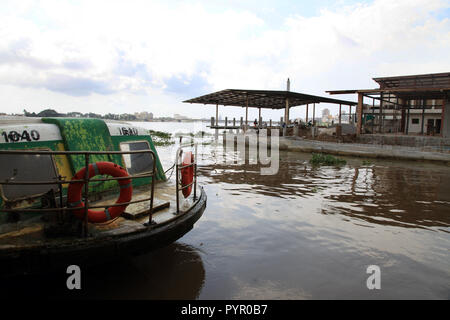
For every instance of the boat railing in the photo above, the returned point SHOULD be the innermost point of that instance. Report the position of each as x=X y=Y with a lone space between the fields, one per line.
x=60 y=181
x=179 y=167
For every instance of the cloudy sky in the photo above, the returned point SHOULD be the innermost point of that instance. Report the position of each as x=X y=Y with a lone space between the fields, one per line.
x=132 y=56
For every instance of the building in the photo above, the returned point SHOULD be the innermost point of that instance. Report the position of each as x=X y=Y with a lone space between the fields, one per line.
x=145 y=116
x=405 y=105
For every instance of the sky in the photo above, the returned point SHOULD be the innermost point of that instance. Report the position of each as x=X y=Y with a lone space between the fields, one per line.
x=133 y=56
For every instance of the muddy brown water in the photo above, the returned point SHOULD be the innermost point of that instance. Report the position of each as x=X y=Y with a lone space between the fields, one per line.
x=305 y=233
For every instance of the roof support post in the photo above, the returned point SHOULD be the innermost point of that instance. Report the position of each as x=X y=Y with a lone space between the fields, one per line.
x=407 y=117
x=443 y=116
x=350 y=114
x=307 y=108
x=246 y=113
x=340 y=111
x=423 y=115
x=373 y=115
x=359 y=111
x=259 y=119
x=286 y=112
x=381 y=115
x=395 y=113
x=314 y=114
x=403 y=117
x=217 y=115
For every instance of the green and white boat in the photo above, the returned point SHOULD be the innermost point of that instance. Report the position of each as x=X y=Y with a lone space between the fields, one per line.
x=85 y=191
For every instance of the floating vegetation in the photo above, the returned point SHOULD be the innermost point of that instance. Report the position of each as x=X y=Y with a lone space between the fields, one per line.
x=161 y=138
x=326 y=160
x=367 y=163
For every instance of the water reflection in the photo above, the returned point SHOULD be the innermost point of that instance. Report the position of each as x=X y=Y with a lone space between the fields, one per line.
x=388 y=195
x=173 y=272
x=311 y=232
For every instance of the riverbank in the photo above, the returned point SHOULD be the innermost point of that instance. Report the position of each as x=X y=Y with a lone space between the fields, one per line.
x=364 y=150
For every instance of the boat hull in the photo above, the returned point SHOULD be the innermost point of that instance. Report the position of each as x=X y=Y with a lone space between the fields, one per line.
x=15 y=261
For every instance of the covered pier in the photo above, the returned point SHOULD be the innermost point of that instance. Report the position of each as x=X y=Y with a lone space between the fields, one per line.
x=264 y=99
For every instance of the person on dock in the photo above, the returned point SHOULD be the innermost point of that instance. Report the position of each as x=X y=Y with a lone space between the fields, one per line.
x=255 y=123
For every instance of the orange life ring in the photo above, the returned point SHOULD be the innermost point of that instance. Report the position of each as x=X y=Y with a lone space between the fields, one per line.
x=187 y=174
x=75 y=190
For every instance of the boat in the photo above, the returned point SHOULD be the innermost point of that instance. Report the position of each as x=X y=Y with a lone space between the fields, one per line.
x=80 y=192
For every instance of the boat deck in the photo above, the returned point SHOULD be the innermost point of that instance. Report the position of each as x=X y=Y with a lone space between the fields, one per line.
x=31 y=232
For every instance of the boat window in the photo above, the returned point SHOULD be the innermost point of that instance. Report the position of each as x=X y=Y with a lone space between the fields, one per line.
x=415 y=121
x=138 y=162
x=27 y=167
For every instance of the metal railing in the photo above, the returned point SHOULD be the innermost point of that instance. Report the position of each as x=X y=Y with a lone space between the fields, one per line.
x=59 y=181
x=179 y=167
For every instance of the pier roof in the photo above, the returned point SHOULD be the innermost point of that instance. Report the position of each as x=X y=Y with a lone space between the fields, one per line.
x=430 y=86
x=268 y=99
x=426 y=81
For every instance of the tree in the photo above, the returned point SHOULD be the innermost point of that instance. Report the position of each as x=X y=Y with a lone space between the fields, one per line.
x=48 y=113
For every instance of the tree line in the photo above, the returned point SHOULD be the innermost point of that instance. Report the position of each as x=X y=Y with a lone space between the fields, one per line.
x=54 y=113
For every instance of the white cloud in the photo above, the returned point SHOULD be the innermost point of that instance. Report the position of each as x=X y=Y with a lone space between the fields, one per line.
x=159 y=53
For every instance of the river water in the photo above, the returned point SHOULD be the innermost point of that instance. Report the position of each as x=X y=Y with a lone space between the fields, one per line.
x=305 y=233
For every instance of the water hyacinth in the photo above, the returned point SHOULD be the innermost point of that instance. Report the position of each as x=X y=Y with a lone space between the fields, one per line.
x=326 y=160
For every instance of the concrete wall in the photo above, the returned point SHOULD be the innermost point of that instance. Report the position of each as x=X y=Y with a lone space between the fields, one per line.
x=446 y=124
x=434 y=142
x=364 y=150
x=417 y=127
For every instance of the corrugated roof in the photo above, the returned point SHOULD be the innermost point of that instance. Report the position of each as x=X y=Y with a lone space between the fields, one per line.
x=431 y=80
x=269 y=99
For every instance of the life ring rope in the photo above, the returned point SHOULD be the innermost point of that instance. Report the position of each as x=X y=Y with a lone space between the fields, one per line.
x=74 y=193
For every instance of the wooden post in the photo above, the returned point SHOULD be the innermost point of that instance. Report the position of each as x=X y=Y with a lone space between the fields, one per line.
x=226 y=122
x=359 y=111
x=270 y=125
x=234 y=122
x=340 y=110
